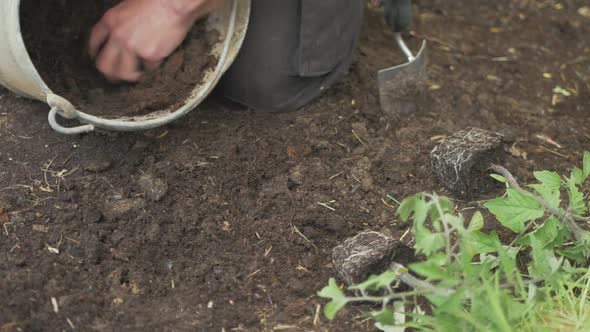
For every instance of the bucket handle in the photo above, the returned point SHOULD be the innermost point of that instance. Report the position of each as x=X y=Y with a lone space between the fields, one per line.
x=64 y=108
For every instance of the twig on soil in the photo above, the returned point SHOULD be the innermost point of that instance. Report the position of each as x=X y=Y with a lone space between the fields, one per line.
x=327 y=206
x=387 y=204
x=358 y=138
x=335 y=176
x=6 y=228
x=344 y=146
x=253 y=274
x=54 y=305
x=297 y=231
x=267 y=252
x=548 y=140
x=17 y=186
x=393 y=199
x=316 y=318
x=356 y=179
x=405 y=234
x=554 y=152
x=70 y=323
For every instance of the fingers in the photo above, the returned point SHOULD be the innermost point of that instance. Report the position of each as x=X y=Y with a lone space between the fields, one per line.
x=99 y=35
x=118 y=64
x=128 y=68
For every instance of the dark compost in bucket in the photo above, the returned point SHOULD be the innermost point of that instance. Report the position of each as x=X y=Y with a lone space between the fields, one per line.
x=56 y=33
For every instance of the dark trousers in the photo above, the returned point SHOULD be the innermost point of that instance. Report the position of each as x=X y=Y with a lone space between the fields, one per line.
x=293 y=51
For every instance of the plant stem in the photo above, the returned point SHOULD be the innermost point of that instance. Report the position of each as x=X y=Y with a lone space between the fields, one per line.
x=436 y=202
x=416 y=283
x=565 y=216
x=387 y=297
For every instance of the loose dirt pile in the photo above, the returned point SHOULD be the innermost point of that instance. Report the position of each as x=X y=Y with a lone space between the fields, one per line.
x=56 y=34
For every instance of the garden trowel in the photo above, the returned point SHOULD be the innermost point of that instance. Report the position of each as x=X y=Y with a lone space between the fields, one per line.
x=399 y=85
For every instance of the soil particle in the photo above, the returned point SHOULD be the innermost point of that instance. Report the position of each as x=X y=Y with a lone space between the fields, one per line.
x=55 y=34
x=366 y=253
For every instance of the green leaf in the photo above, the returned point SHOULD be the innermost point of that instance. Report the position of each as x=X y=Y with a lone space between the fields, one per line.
x=561 y=91
x=432 y=268
x=578 y=176
x=578 y=254
x=385 y=317
x=549 y=187
x=586 y=164
x=428 y=242
x=452 y=304
x=576 y=198
x=552 y=197
x=476 y=222
x=456 y=221
x=447 y=206
x=515 y=210
x=376 y=282
x=337 y=296
x=408 y=206
x=544 y=261
x=549 y=234
x=507 y=260
x=482 y=243
x=499 y=178
x=551 y=180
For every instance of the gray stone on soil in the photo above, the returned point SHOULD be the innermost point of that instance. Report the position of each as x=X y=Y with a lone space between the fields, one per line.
x=122 y=209
x=461 y=161
x=154 y=188
x=365 y=254
x=98 y=166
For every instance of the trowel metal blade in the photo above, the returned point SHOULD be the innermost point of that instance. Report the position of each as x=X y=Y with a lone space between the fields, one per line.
x=399 y=85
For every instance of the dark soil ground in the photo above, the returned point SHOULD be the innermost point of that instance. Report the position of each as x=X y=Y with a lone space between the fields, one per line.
x=56 y=35
x=196 y=226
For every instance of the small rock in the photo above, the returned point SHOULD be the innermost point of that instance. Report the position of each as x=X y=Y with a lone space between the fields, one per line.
x=295 y=177
x=298 y=152
x=365 y=254
x=5 y=204
x=367 y=183
x=91 y=216
x=321 y=145
x=40 y=228
x=274 y=187
x=98 y=166
x=122 y=208
x=155 y=188
x=461 y=161
x=360 y=128
x=153 y=232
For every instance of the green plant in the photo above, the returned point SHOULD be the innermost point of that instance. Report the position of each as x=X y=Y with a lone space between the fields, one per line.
x=472 y=281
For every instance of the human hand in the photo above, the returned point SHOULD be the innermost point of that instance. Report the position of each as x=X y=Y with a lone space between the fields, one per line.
x=137 y=35
x=398 y=14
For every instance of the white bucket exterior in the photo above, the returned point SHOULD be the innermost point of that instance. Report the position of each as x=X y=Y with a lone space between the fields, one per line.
x=18 y=73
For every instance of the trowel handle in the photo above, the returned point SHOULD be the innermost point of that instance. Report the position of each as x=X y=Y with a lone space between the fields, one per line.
x=402 y=45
